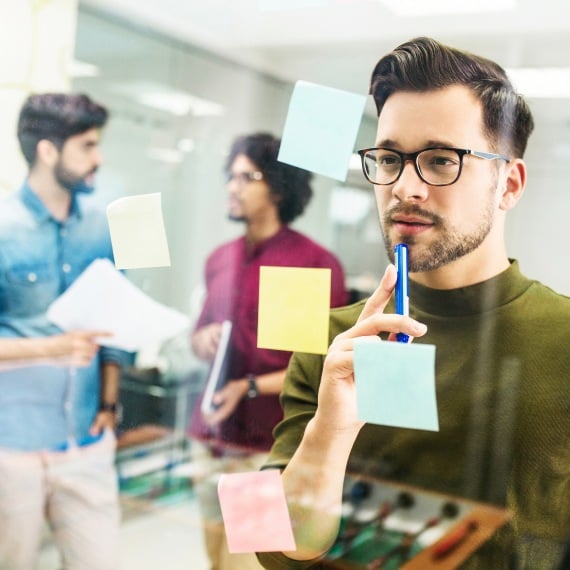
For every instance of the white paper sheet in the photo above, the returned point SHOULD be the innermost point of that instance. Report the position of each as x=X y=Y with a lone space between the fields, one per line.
x=103 y=299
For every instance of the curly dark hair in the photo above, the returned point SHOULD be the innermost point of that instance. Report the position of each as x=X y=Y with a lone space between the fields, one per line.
x=423 y=64
x=56 y=117
x=289 y=183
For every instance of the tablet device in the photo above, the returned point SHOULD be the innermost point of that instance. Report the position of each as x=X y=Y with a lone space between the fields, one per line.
x=218 y=372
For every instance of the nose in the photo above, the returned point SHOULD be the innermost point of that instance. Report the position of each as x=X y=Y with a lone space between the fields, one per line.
x=232 y=185
x=410 y=187
x=97 y=157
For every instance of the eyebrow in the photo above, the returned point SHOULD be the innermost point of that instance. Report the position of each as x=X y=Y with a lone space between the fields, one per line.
x=391 y=143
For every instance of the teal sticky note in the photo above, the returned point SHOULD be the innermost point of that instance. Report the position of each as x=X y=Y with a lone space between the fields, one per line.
x=321 y=128
x=395 y=384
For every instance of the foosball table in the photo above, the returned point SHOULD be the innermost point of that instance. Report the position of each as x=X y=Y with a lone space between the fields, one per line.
x=386 y=527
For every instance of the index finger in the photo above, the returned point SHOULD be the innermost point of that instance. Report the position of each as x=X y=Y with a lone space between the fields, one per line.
x=379 y=299
x=99 y=333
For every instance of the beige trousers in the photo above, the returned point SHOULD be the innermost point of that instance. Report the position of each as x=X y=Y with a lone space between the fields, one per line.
x=76 y=491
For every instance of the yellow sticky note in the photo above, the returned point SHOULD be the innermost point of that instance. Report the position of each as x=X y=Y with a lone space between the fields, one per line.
x=294 y=309
x=137 y=232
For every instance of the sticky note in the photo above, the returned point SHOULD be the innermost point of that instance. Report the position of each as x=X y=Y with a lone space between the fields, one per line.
x=137 y=232
x=255 y=513
x=294 y=307
x=395 y=384
x=321 y=128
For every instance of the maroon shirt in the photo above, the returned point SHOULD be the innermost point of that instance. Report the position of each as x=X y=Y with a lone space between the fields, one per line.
x=232 y=284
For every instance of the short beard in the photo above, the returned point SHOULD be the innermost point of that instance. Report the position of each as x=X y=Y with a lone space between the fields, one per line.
x=451 y=245
x=235 y=218
x=72 y=183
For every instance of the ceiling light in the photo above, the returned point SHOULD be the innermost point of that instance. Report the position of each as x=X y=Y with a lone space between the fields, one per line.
x=541 y=82
x=432 y=7
x=179 y=103
x=165 y=98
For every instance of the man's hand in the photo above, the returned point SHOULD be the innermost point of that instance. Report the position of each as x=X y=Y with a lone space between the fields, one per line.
x=227 y=399
x=337 y=408
x=103 y=420
x=205 y=341
x=313 y=479
x=77 y=348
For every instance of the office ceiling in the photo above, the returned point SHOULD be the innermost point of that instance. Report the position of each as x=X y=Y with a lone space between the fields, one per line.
x=337 y=42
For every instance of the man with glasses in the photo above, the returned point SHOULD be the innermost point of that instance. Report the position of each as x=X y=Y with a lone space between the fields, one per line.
x=265 y=195
x=446 y=168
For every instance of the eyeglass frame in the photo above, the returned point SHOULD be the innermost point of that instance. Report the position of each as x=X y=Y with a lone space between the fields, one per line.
x=413 y=156
x=243 y=178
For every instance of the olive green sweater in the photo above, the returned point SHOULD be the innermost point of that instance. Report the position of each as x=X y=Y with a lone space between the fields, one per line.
x=503 y=393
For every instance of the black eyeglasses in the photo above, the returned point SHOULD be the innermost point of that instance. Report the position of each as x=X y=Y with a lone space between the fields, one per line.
x=436 y=166
x=242 y=178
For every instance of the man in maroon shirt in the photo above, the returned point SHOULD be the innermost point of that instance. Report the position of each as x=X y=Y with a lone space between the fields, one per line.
x=266 y=195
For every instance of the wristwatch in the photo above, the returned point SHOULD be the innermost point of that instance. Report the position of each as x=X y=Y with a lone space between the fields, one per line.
x=252 y=391
x=113 y=408
x=108 y=407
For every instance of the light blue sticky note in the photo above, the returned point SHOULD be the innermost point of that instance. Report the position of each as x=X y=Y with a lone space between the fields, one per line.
x=321 y=128
x=395 y=384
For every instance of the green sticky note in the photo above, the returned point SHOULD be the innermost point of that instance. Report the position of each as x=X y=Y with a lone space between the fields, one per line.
x=395 y=384
x=294 y=309
x=321 y=128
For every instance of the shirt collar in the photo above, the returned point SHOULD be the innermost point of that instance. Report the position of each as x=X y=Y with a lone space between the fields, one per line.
x=260 y=247
x=38 y=209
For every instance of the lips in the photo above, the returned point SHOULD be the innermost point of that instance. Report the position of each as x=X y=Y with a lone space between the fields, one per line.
x=411 y=225
x=415 y=220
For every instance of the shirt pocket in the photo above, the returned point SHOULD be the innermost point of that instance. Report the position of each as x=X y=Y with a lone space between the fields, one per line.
x=28 y=289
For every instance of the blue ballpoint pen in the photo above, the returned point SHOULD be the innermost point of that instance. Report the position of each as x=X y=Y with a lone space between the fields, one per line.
x=401 y=292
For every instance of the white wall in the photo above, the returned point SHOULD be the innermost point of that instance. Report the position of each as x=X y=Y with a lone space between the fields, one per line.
x=36 y=40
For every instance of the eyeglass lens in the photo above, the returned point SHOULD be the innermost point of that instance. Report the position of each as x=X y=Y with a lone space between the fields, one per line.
x=242 y=178
x=436 y=166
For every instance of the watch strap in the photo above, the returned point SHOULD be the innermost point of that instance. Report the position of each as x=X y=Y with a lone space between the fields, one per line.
x=252 y=390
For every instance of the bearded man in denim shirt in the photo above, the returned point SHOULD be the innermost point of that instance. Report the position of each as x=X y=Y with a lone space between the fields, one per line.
x=58 y=391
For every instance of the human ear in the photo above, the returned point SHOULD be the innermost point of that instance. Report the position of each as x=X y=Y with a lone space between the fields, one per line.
x=47 y=152
x=515 y=182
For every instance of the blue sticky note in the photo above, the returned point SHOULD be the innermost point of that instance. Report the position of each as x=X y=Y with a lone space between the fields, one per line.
x=321 y=128
x=395 y=384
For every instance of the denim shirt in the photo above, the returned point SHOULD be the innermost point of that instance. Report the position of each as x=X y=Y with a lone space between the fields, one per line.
x=43 y=407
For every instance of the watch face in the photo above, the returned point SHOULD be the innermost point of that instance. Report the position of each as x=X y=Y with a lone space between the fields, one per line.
x=252 y=390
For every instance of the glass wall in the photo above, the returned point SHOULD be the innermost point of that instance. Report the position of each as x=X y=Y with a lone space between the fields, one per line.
x=175 y=110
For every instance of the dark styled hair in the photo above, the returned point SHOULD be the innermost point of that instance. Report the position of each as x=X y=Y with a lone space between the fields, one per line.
x=289 y=183
x=423 y=64
x=56 y=117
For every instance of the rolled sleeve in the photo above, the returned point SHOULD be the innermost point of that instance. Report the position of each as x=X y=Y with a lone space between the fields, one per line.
x=122 y=358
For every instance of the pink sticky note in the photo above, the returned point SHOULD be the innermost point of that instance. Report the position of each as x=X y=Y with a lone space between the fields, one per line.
x=255 y=512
